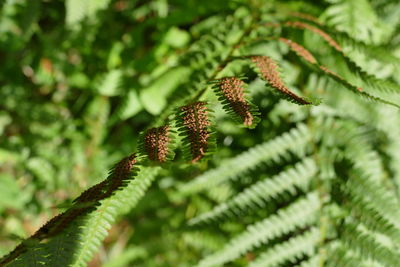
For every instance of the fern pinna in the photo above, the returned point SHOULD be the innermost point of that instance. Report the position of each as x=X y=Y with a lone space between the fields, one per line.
x=194 y=124
x=232 y=95
x=157 y=143
x=318 y=181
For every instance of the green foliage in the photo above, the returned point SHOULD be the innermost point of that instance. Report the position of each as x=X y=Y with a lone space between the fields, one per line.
x=306 y=173
x=298 y=215
x=258 y=194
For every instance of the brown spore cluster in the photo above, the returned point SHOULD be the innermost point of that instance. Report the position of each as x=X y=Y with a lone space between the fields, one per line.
x=88 y=199
x=300 y=50
x=232 y=89
x=120 y=173
x=156 y=141
x=269 y=71
x=195 y=120
x=327 y=37
x=306 y=17
x=84 y=204
x=123 y=168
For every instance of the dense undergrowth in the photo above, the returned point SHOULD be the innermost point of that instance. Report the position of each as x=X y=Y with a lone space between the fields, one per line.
x=251 y=133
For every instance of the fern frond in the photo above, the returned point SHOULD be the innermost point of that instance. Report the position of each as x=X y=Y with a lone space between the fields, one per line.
x=351 y=46
x=318 y=31
x=367 y=246
x=194 y=125
x=356 y=142
x=306 y=17
x=306 y=55
x=119 y=175
x=232 y=95
x=206 y=58
x=203 y=240
x=53 y=253
x=299 y=214
x=364 y=213
x=367 y=28
x=295 y=248
x=382 y=201
x=299 y=50
x=269 y=72
x=275 y=151
x=314 y=261
x=339 y=254
x=99 y=222
x=369 y=80
x=109 y=84
x=68 y=227
x=260 y=193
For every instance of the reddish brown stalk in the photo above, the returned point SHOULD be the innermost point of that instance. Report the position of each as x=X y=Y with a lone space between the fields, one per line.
x=302 y=25
x=306 y=17
x=232 y=89
x=334 y=74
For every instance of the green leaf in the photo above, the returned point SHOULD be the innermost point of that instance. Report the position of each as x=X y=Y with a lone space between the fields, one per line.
x=132 y=105
x=154 y=96
x=11 y=196
x=109 y=84
x=176 y=37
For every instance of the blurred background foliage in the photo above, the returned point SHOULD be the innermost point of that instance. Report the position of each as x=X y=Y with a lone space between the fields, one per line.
x=81 y=78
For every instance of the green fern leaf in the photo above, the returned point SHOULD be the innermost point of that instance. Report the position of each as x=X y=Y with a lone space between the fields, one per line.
x=297 y=215
x=307 y=56
x=274 y=151
x=367 y=28
x=257 y=195
x=367 y=246
x=291 y=250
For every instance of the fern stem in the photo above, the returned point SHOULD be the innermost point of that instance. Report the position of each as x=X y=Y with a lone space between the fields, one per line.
x=321 y=188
